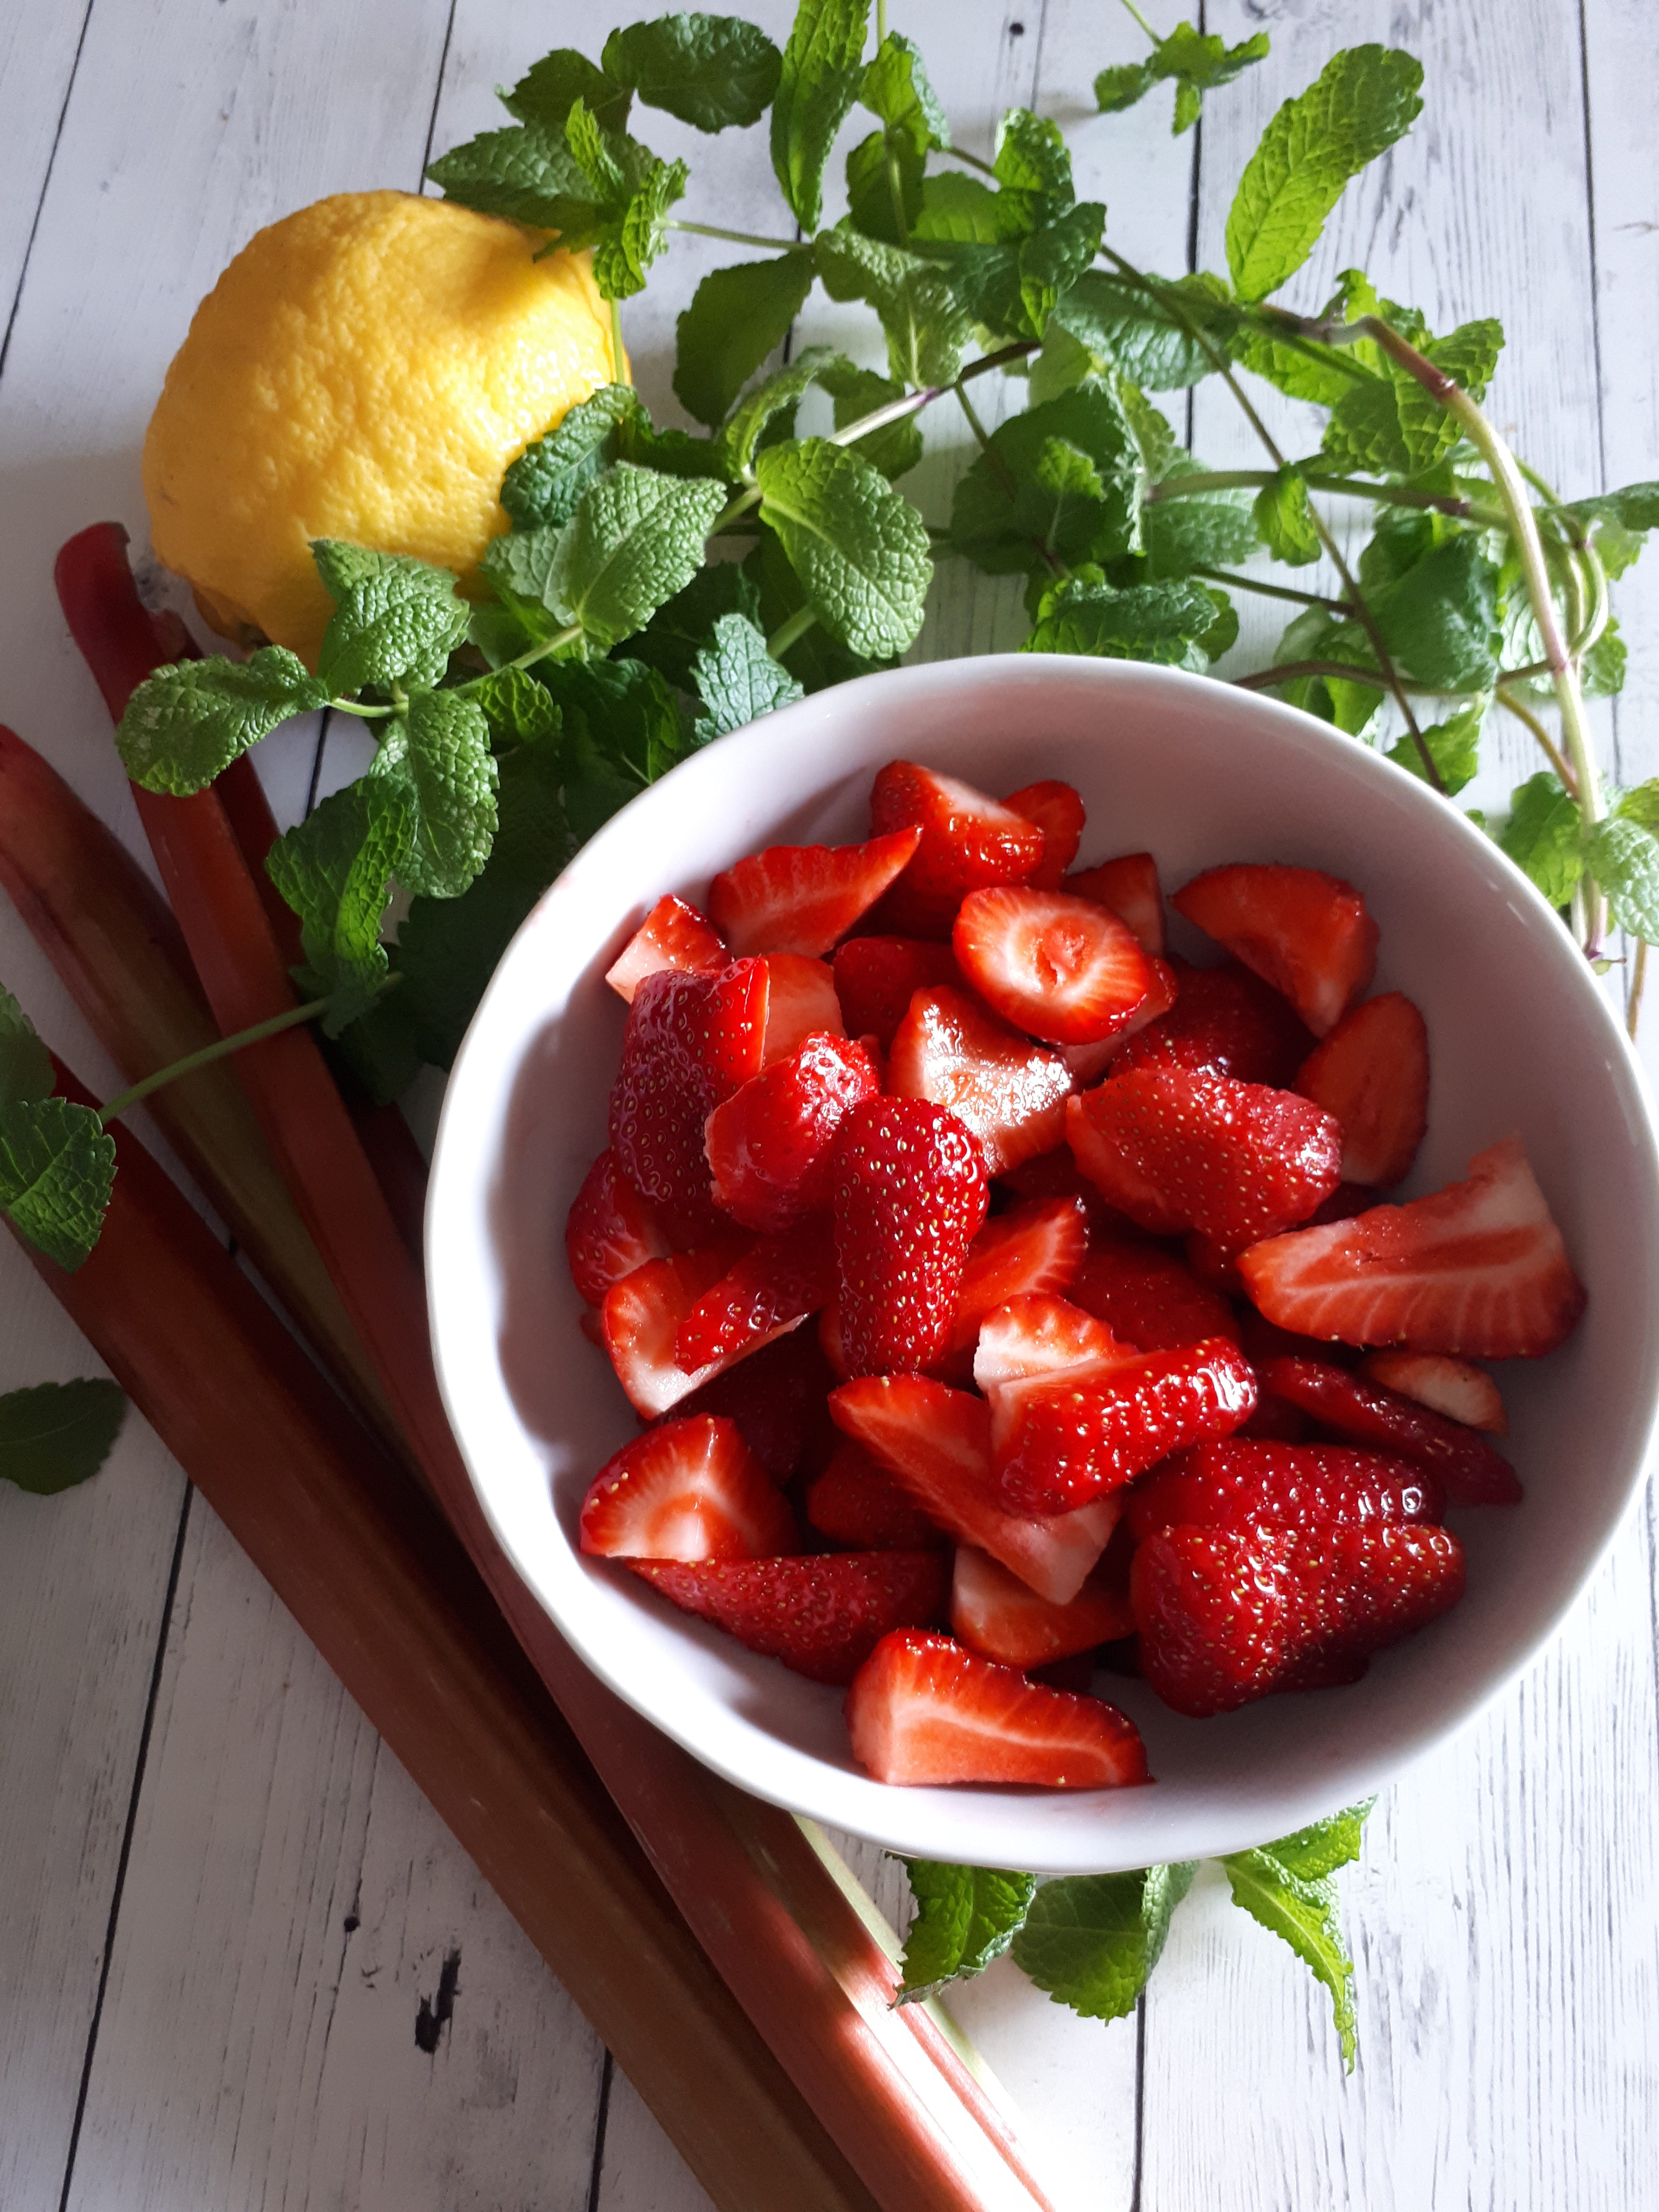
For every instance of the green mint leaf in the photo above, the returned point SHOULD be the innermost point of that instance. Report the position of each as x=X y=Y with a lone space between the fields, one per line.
x=25 y=1069
x=519 y=565
x=738 y=680
x=1213 y=531
x=959 y=210
x=777 y=395
x=1440 y=620
x=1543 y=835
x=1623 y=856
x=675 y=452
x=1156 y=440
x=1640 y=804
x=396 y=620
x=1091 y=1940
x=895 y=448
x=1454 y=746
x=548 y=479
x=1222 y=636
x=1469 y=355
x=711 y=71
x=1402 y=537
x=57 y=1170
x=1197 y=62
x=1162 y=622
x=1012 y=288
x=525 y=175
x=1285 y=519
x=452 y=775
x=627 y=249
x=873 y=166
x=896 y=87
x=633 y=717
x=1053 y=509
x=736 y=316
x=816 y=658
x=823 y=70
x=860 y=548
x=677 y=632
x=1319 y=1849
x=548 y=90
x=517 y=709
x=611 y=163
x=53 y=1435
x=335 y=870
x=184 y=724
x=965 y=1917
x=1603 y=671
x=1125 y=84
x=1303 y=1914
x=1365 y=98
x=926 y=328
x=1031 y=155
x=1147 y=335
x=635 y=539
x=1306 y=370
x=1636 y=508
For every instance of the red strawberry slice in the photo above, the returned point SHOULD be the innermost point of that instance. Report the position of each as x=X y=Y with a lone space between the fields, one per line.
x=1009 y=1091
x=1130 y=887
x=1225 y=1021
x=1034 y=1247
x=772 y=1288
x=857 y=1503
x=776 y=1397
x=1057 y=1174
x=1059 y=1441
x=823 y=1616
x=770 y=1144
x=673 y=935
x=1088 y=1063
x=936 y=1444
x=1148 y=1299
x=1058 y=813
x=1305 y=932
x=967 y=840
x=1477 y=1270
x=1445 y=1386
x=1472 y=1473
x=1064 y=968
x=909 y=1192
x=610 y=1230
x=641 y=1318
x=1372 y=1073
x=1238 y=1482
x=800 y=1003
x=687 y=1490
x=801 y=898
x=994 y=1613
x=1038 y=1334
x=691 y=1041
x=877 y=977
x=1177 y=1152
x=922 y=1710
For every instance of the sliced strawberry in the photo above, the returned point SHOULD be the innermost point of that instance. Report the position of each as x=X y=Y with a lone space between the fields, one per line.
x=673 y=935
x=610 y=1231
x=691 y=1041
x=877 y=977
x=801 y=898
x=909 y=1193
x=1445 y=1386
x=967 y=840
x=641 y=1318
x=1058 y=813
x=772 y=1288
x=1148 y=1299
x=1036 y=1246
x=1009 y=1091
x=1472 y=1473
x=1305 y=932
x=1039 y=1334
x=1477 y=1270
x=857 y=1503
x=922 y=1710
x=1057 y=1174
x=776 y=1397
x=1063 y=968
x=936 y=1444
x=686 y=1490
x=1130 y=887
x=1372 y=1073
x=1225 y=1021
x=800 y=1003
x=1088 y=1063
x=1237 y=1482
x=823 y=1616
x=997 y=1615
x=770 y=1144
x=1178 y=1151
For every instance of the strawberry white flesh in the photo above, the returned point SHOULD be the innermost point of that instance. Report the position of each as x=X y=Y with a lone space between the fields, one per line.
x=673 y=935
x=641 y=1318
x=1446 y=1386
x=1035 y=1246
x=1009 y=1091
x=610 y=1231
x=994 y=1613
x=688 y=1490
x=1063 y=969
x=801 y=898
x=1040 y=1335
x=800 y=1003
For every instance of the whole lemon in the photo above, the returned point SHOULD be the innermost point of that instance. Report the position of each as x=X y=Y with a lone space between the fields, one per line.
x=365 y=369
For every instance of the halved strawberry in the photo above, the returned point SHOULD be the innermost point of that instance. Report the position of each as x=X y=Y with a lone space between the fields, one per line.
x=1305 y=932
x=967 y=840
x=997 y=1615
x=776 y=1397
x=877 y=977
x=691 y=1041
x=1225 y=1021
x=800 y=1003
x=857 y=1503
x=1057 y=1174
x=1039 y=1334
x=674 y=934
x=801 y=898
x=1477 y=1270
x=1472 y=1473
x=1239 y=1481
x=1130 y=887
x=909 y=1192
x=686 y=1490
x=1088 y=1063
x=922 y=1710
x=610 y=1230
x=1148 y=1299
x=1009 y=1091
x=1372 y=1073
x=1445 y=1386
x=1035 y=1246
x=773 y=1287
x=639 y=1321
x=823 y=1616
x=1058 y=813
x=770 y=1144
x=936 y=1444
x=1064 y=968
x=1178 y=1151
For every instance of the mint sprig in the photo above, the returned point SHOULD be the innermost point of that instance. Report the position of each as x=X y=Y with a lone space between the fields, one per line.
x=55 y=1435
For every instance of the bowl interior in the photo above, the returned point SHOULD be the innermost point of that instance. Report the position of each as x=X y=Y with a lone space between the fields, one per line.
x=1199 y=774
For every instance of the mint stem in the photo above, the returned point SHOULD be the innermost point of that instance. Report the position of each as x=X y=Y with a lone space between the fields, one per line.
x=743 y=237
x=1236 y=582
x=1524 y=714
x=787 y=632
x=220 y=1048
x=1195 y=485
x=1141 y=20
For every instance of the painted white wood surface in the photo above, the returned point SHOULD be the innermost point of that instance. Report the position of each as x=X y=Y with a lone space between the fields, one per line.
x=252 y=2047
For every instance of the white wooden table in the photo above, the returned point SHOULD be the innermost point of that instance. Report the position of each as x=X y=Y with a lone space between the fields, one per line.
x=241 y=1964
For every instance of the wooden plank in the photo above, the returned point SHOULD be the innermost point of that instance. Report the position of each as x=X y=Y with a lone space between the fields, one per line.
x=38 y=49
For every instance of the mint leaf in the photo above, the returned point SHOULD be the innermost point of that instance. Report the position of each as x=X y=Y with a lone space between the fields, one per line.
x=1623 y=855
x=451 y=774
x=1124 y=84
x=1603 y=671
x=1147 y=335
x=1304 y=1913
x=711 y=71
x=1162 y=622
x=516 y=706
x=775 y=395
x=925 y=326
x=57 y=1169
x=860 y=548
x=1197 y=62
x=878 y=168
x=335 y=870
x=1091 y=1940
x=1440 y=620
x=1013 y=289
x=53 y=1435
x=822 y=72
x=1211 y=531
x=1031 y=156
x=959 y=210
x=184 y=724
x=896 y=87
x=1054 y=506
x=1635 y=507
x=25 y=1069
x=548 y=479
x=635 y=539
x=736 y=316
x=677 y=632
x=1319 y=1849
x=1640 y=804
x=1306 y=370
x=396 y=620
x=738 y=680
x=1543 y=835
x=895 y=448
x=1454 y=746
x=1364 y=99
x=547 y=92
x=525 y=175
x=965 y=1917
x=1386 y=424
x=1285 y=519
x=1156 y=440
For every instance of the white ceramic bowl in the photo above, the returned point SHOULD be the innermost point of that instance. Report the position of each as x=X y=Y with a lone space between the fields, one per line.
x=1200 y=774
